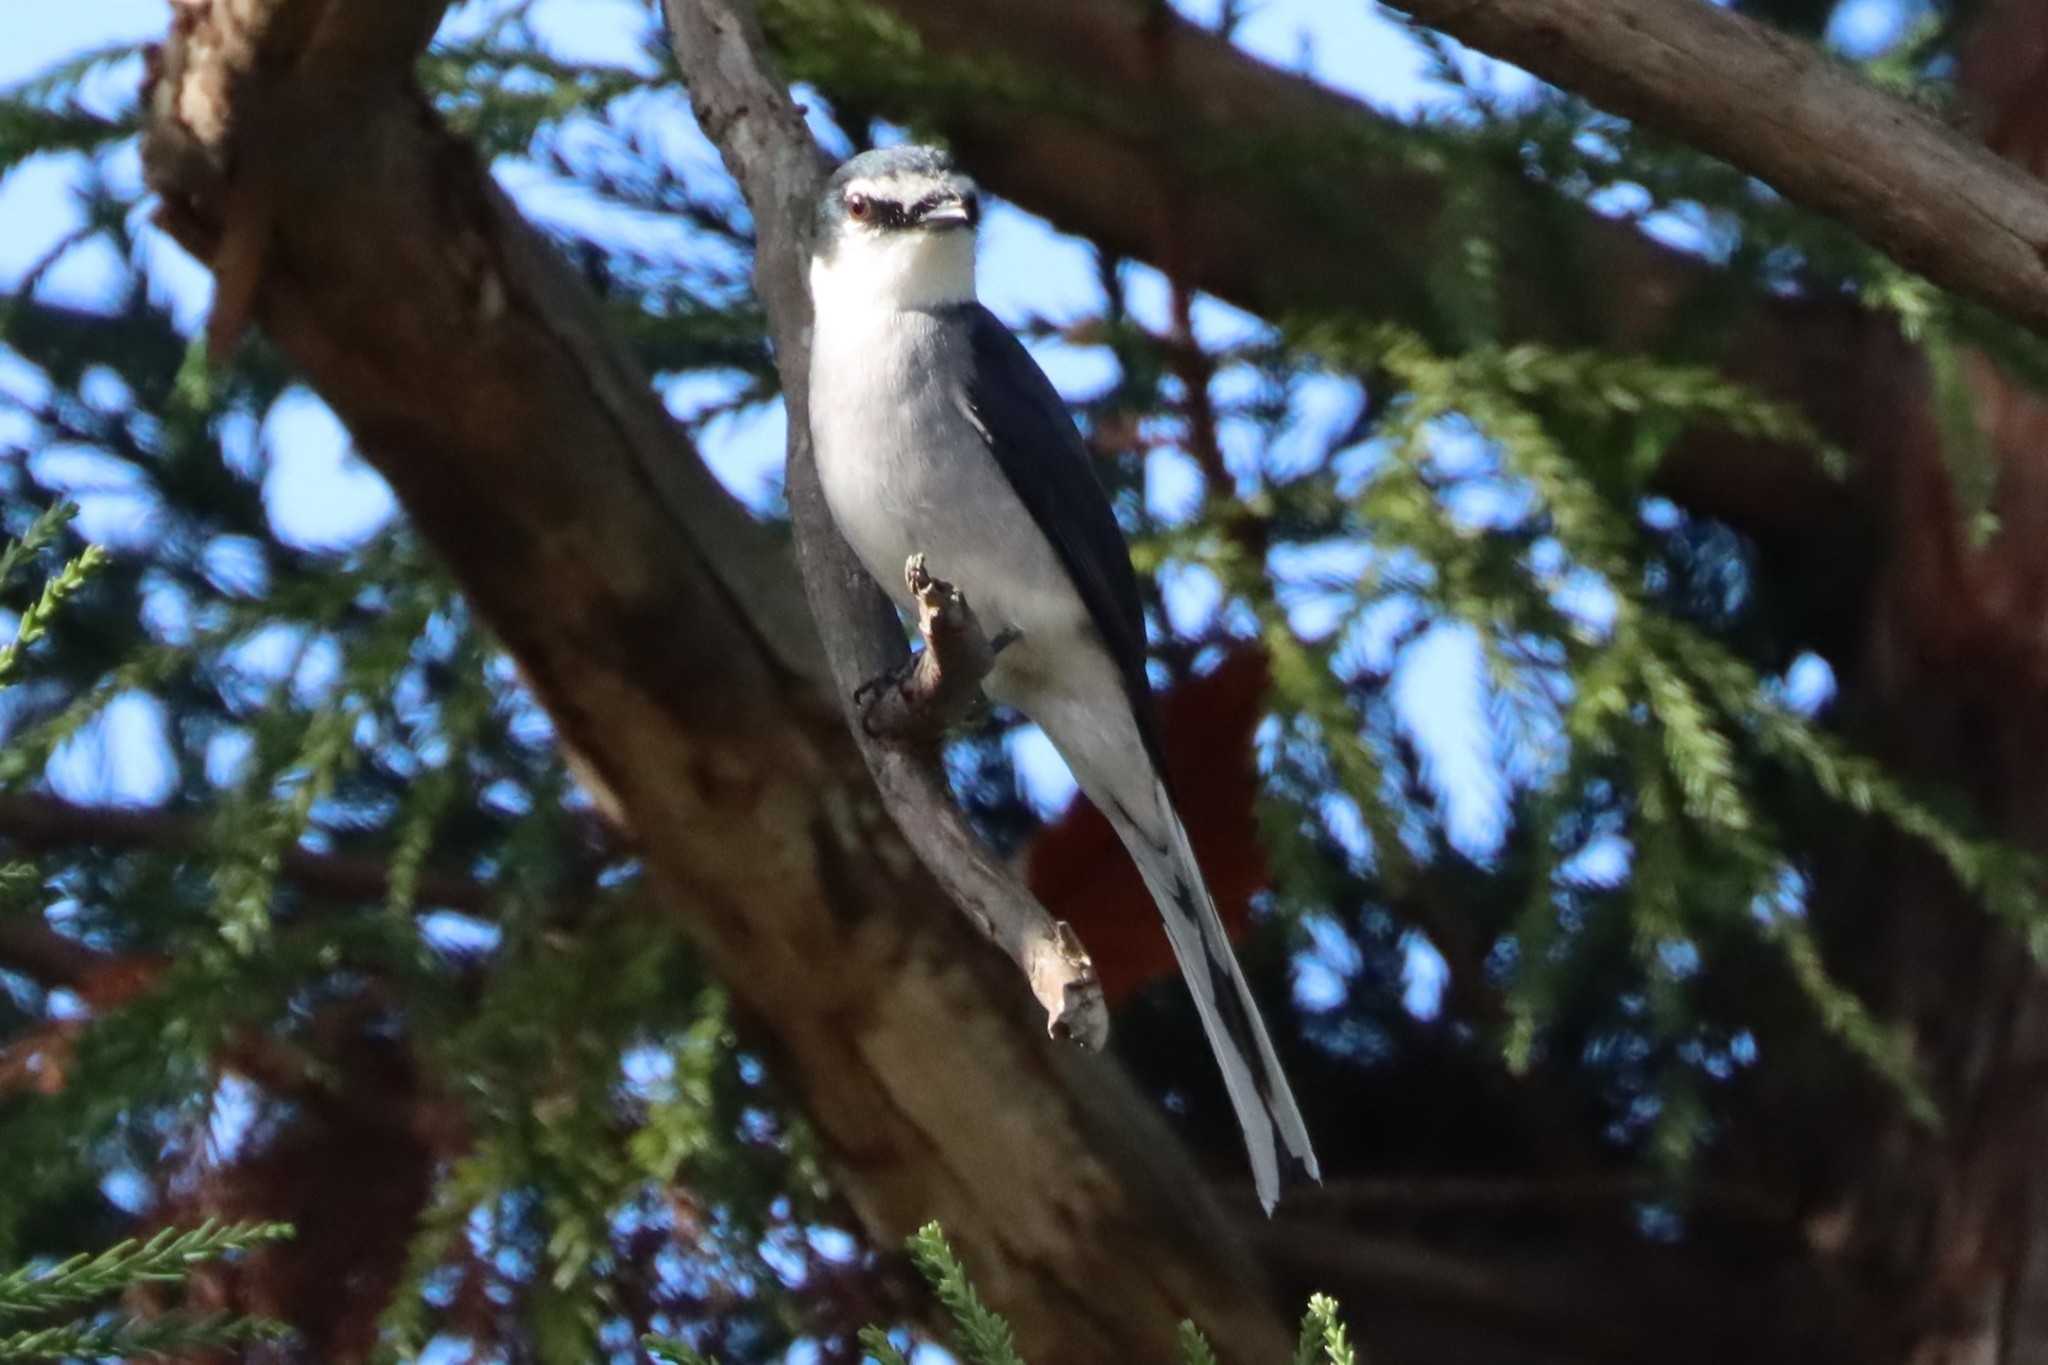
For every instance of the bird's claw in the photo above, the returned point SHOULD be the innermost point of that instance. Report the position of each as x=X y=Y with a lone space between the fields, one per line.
x=864 y=695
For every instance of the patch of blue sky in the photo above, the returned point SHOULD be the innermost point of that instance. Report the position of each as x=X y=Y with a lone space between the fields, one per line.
x=1320 y=409
x=1361 y=49
x=1374 y=641
x=744 y=450
x=1192 y=594
x=1807 y=686
x=1317 y=585
x=39 y=207
x=237 y=565
x=23 y=388
x=228 y=758
x=119 y=758
x=1058 y=282
x=1679 y=958
x=231 y=1118
x=1587 y=600
x=1424 y=976
x=318 y=491
x=128 y=1189
x=565 y=207
x=319 y=494
x=263 y=657
x=33 y=37
x=1324 y=969
x=1173 y=486
x=115 y=505
x=1863 y=29
x=176 y=283
x=598 y=32
x=1317 y=989
x=1440 y=697
x=1602 y=861
x=1344 y=821
x=1785 y=898
x=1047 y=783
x=648 y=1074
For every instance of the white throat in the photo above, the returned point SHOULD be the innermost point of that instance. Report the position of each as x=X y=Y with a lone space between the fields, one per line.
x=867 y=274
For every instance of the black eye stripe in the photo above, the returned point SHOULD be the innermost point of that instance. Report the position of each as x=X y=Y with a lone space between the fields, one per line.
x=887 y=213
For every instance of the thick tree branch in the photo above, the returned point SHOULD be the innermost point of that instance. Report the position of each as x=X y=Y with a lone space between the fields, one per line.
x=1284 y=197
x=527 y=447
x=37 y=823
x=1796 y=118
x=30 y=946
x=766 y=145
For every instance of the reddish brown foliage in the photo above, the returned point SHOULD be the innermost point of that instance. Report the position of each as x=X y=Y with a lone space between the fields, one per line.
x=1081 y=873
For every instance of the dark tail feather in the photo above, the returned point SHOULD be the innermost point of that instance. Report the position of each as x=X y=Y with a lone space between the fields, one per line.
x=1274 y=1132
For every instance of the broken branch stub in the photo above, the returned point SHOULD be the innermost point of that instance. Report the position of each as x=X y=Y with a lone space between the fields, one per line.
x=941 y=684
x=914 y=705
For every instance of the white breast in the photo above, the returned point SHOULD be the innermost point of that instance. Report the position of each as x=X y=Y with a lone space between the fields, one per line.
x=905 y=472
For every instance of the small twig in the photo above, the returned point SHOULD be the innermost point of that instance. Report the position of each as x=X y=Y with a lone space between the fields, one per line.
x=942 y=682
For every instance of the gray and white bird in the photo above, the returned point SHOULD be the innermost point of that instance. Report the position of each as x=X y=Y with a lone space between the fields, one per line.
x=936 y=433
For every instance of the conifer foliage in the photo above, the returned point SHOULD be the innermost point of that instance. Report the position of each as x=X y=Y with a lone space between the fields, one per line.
x=1600 y=642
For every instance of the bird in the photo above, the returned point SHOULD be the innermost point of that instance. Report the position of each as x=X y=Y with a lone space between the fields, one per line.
x=935 y=433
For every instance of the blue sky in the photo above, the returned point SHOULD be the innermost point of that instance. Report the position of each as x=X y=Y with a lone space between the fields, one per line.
x=319 y=493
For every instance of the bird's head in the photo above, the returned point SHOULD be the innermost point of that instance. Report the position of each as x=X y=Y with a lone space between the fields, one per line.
x=895 y=230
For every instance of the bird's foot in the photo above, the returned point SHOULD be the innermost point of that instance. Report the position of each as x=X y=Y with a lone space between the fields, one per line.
x=864 y=696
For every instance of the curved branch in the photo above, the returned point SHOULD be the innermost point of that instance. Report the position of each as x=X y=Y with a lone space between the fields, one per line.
x=1310 y=200
x=527 y=446
x=768 y=148
x=1794 y=117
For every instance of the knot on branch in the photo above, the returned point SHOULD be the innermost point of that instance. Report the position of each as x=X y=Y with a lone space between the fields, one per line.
x=939 y=685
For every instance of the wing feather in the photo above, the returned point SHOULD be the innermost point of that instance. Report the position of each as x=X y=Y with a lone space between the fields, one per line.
x=1031 y=434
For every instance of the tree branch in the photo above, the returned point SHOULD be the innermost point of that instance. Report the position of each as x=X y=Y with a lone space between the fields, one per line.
x=36 y=823
x=476 y=373
x=769 y=150
x=1795 y=117
x=944 y=681
x=1311 y=201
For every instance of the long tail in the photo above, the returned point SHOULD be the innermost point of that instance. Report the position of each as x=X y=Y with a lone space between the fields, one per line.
x=1273 y=1127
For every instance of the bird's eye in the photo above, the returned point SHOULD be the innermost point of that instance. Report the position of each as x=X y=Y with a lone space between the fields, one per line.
x=858 y=207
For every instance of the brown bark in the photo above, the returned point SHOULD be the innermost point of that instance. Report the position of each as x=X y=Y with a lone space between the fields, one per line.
x=671 y=652
x=1286 y=198
x=661 y=628
x=1797 y=118
x=1954 y=673
x=748 y=113
x=1937 y=640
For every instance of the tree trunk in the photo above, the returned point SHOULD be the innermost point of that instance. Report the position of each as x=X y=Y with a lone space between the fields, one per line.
x=670 y=647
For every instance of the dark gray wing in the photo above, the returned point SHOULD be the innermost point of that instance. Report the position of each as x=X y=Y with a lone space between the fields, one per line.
x=1029 y=431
